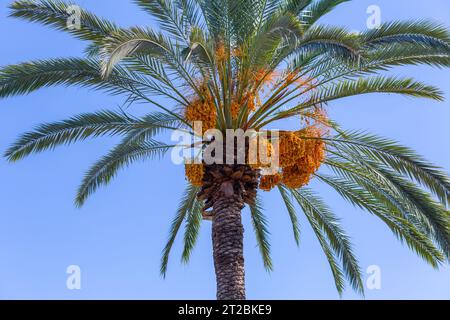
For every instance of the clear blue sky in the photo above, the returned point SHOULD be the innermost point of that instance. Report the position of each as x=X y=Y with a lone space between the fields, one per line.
x=118 y=236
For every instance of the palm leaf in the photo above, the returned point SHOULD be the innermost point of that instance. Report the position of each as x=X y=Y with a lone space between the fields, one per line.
x=425 y=33
x=260 y=226
x=57 y=13
x=102 y=172
x=186 y=204
x=317 y=211
x=168 y=16
x=193 y=223
x=287 y=199
x=402 y=229
x=84 y=126
x=399 y=158
x=318 y=9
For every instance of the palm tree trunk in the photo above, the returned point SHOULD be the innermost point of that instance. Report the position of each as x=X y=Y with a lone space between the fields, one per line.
x=228 y=244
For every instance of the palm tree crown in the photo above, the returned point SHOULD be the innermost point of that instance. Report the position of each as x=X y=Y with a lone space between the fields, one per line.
x=250 y=64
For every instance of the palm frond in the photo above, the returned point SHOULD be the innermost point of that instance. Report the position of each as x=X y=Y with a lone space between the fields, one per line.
x=287 y=199
x=192 y=14
x=260 y=226
x=318 y=9
x=129 y=42
x=57 y=13
x=192 y=230
x=84 y=126
x=327 y=248
x=336 y=42
x=186 y=204
x=399 y=158
x=295 y=6
x=317 y=211
x=385 y=57
x=281 y=30
x=24 y=78
x=168 y=16
x=348 y=88
x=377 y=84
x=135 y=42
x=102 y=172
x=434 y=218
x=402 y=228
x=399 y=195
x=425 y=33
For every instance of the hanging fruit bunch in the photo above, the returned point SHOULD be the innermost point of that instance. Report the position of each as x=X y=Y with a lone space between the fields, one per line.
x=195 y=173
x=268 y=182
x=202 y=109
x=300 y=153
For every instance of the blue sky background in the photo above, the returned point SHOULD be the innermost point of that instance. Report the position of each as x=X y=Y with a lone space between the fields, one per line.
x=118 y=236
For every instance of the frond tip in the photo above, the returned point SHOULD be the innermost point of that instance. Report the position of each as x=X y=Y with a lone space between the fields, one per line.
x=259 y=222
x=186 y=207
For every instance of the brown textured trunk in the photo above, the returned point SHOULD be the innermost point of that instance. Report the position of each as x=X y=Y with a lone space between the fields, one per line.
x=228 y=243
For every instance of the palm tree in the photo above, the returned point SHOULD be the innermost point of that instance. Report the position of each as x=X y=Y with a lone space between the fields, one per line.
x=250 y=64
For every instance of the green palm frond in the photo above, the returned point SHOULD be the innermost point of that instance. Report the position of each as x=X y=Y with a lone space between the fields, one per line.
x=260 y=226
x=27 y=77
x=84 y=126
x=402 y=228
x=348 y=88
x=229 y=20
x=24 y=78
x=287 y=199
x=318 y=9
x=397 y=157
x=336 y=42
x=213 y=13
x=192 y=230
x=325 y=72
x=139 y=41
x=168 y=16
x=201 y=52
x=192 y=13
x=102 y=172
x=317 y=211
x=425 y=33
x=433 y=217
x=186 y=205
x=404 y=54
x=132 y=42
x=327 y=248
x=378 y=84
x=282 y=30
x=266 y=9
x=57 y=13
x=399 y=195
x=295 y=6
x=242 y=16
